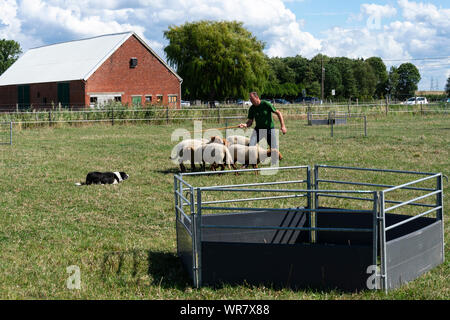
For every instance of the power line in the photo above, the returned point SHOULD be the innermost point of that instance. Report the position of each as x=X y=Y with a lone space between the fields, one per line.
x=414 y=59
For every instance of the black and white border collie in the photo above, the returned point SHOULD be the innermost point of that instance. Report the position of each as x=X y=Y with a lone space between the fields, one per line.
x=103 y=178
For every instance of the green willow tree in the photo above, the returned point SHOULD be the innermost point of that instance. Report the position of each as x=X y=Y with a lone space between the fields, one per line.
x=217 y=60
x=381 y=75
x=408 y=79
x=9 y=53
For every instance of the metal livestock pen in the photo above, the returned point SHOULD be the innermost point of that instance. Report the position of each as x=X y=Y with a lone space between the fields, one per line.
x=324 y=238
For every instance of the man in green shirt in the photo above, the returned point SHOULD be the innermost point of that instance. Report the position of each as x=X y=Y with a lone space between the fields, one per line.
x=261 y=111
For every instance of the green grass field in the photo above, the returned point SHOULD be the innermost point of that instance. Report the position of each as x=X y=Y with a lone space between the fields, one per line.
x=122 y=237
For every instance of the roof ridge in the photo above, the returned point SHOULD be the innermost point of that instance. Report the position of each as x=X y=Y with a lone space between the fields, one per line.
x=90 y=38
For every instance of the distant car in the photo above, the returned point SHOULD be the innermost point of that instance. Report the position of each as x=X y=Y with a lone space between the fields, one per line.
x=307 y=100
x=185 y=103
x=416 y=100
x=281 y=101
x=244 y=103
x=213 y=104
x=447 y=100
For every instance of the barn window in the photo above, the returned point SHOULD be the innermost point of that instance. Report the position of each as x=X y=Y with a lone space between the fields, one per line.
x=133 y=62
x=159 y=98
x=136 y=100
x=172 y=98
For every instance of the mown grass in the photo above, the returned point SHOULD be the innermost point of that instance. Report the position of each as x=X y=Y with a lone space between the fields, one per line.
x=123 y=236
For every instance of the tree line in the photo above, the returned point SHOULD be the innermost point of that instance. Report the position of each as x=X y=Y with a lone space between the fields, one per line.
x=222 y=60
x=343 y=78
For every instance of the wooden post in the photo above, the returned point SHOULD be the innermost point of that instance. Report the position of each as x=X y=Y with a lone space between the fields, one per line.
x=387 y=105
x=167 y=114
x=218 y=113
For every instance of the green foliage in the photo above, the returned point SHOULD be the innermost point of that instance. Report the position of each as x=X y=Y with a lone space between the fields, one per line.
x=381 y=75
x=221 y=60
x=9 y=53
x=365 y=79
x=217 y=60
x=408 y=78
x=350 y=78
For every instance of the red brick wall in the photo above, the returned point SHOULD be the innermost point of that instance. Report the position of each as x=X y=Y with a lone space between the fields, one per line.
x=41 y=92
x=8 y=97
x=149 y=77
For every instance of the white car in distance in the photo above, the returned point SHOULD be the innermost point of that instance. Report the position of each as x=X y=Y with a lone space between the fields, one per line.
x=417 y=100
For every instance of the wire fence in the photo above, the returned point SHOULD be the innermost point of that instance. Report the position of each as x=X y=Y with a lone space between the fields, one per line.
x=6 y=133
x=167 y=115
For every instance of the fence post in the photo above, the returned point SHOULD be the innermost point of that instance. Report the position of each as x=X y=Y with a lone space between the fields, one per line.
x=330 y=121
x=10 y=133
x=218 y=113
x=440 y=212
x=112 y=116
x=387 y=105
x=167 y=114
x=49 y=118
x=365 y=126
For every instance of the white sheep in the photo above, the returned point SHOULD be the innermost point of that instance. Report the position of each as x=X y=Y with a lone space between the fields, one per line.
x=217 y=154
x=238 y=140
x=217 y=139
x=251 y=155
x=185 y=150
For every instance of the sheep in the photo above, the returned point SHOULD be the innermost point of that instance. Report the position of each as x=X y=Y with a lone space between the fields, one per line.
x=188 y=150
x=183 y=151
x=217 y=139
x=251 y=155
x=216 y=155
x=238 y=140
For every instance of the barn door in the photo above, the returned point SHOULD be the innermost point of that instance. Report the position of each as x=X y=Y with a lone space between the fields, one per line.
x=63 y=94
x=23 y=96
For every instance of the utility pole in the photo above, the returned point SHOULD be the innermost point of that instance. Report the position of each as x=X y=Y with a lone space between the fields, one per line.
x=323 y=76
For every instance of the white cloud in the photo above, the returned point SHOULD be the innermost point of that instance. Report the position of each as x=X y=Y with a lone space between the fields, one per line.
x=426 y=13
x=372 y=9
x=398 y=30
x=59 y=20
x=71 y=19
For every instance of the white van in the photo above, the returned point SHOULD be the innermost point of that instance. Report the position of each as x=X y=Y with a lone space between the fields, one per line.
x=417 y=100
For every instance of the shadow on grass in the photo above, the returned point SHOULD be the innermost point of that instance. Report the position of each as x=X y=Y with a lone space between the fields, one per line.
x=171 y=170
x=175 y=170
x=161 y=268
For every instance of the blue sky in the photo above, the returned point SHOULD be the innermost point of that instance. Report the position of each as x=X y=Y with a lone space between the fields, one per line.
x=396 y=30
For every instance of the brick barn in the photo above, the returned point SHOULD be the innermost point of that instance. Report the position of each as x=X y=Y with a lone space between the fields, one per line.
x=77 y=74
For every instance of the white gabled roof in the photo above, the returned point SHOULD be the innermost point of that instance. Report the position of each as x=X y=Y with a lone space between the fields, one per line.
x=73 y=60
